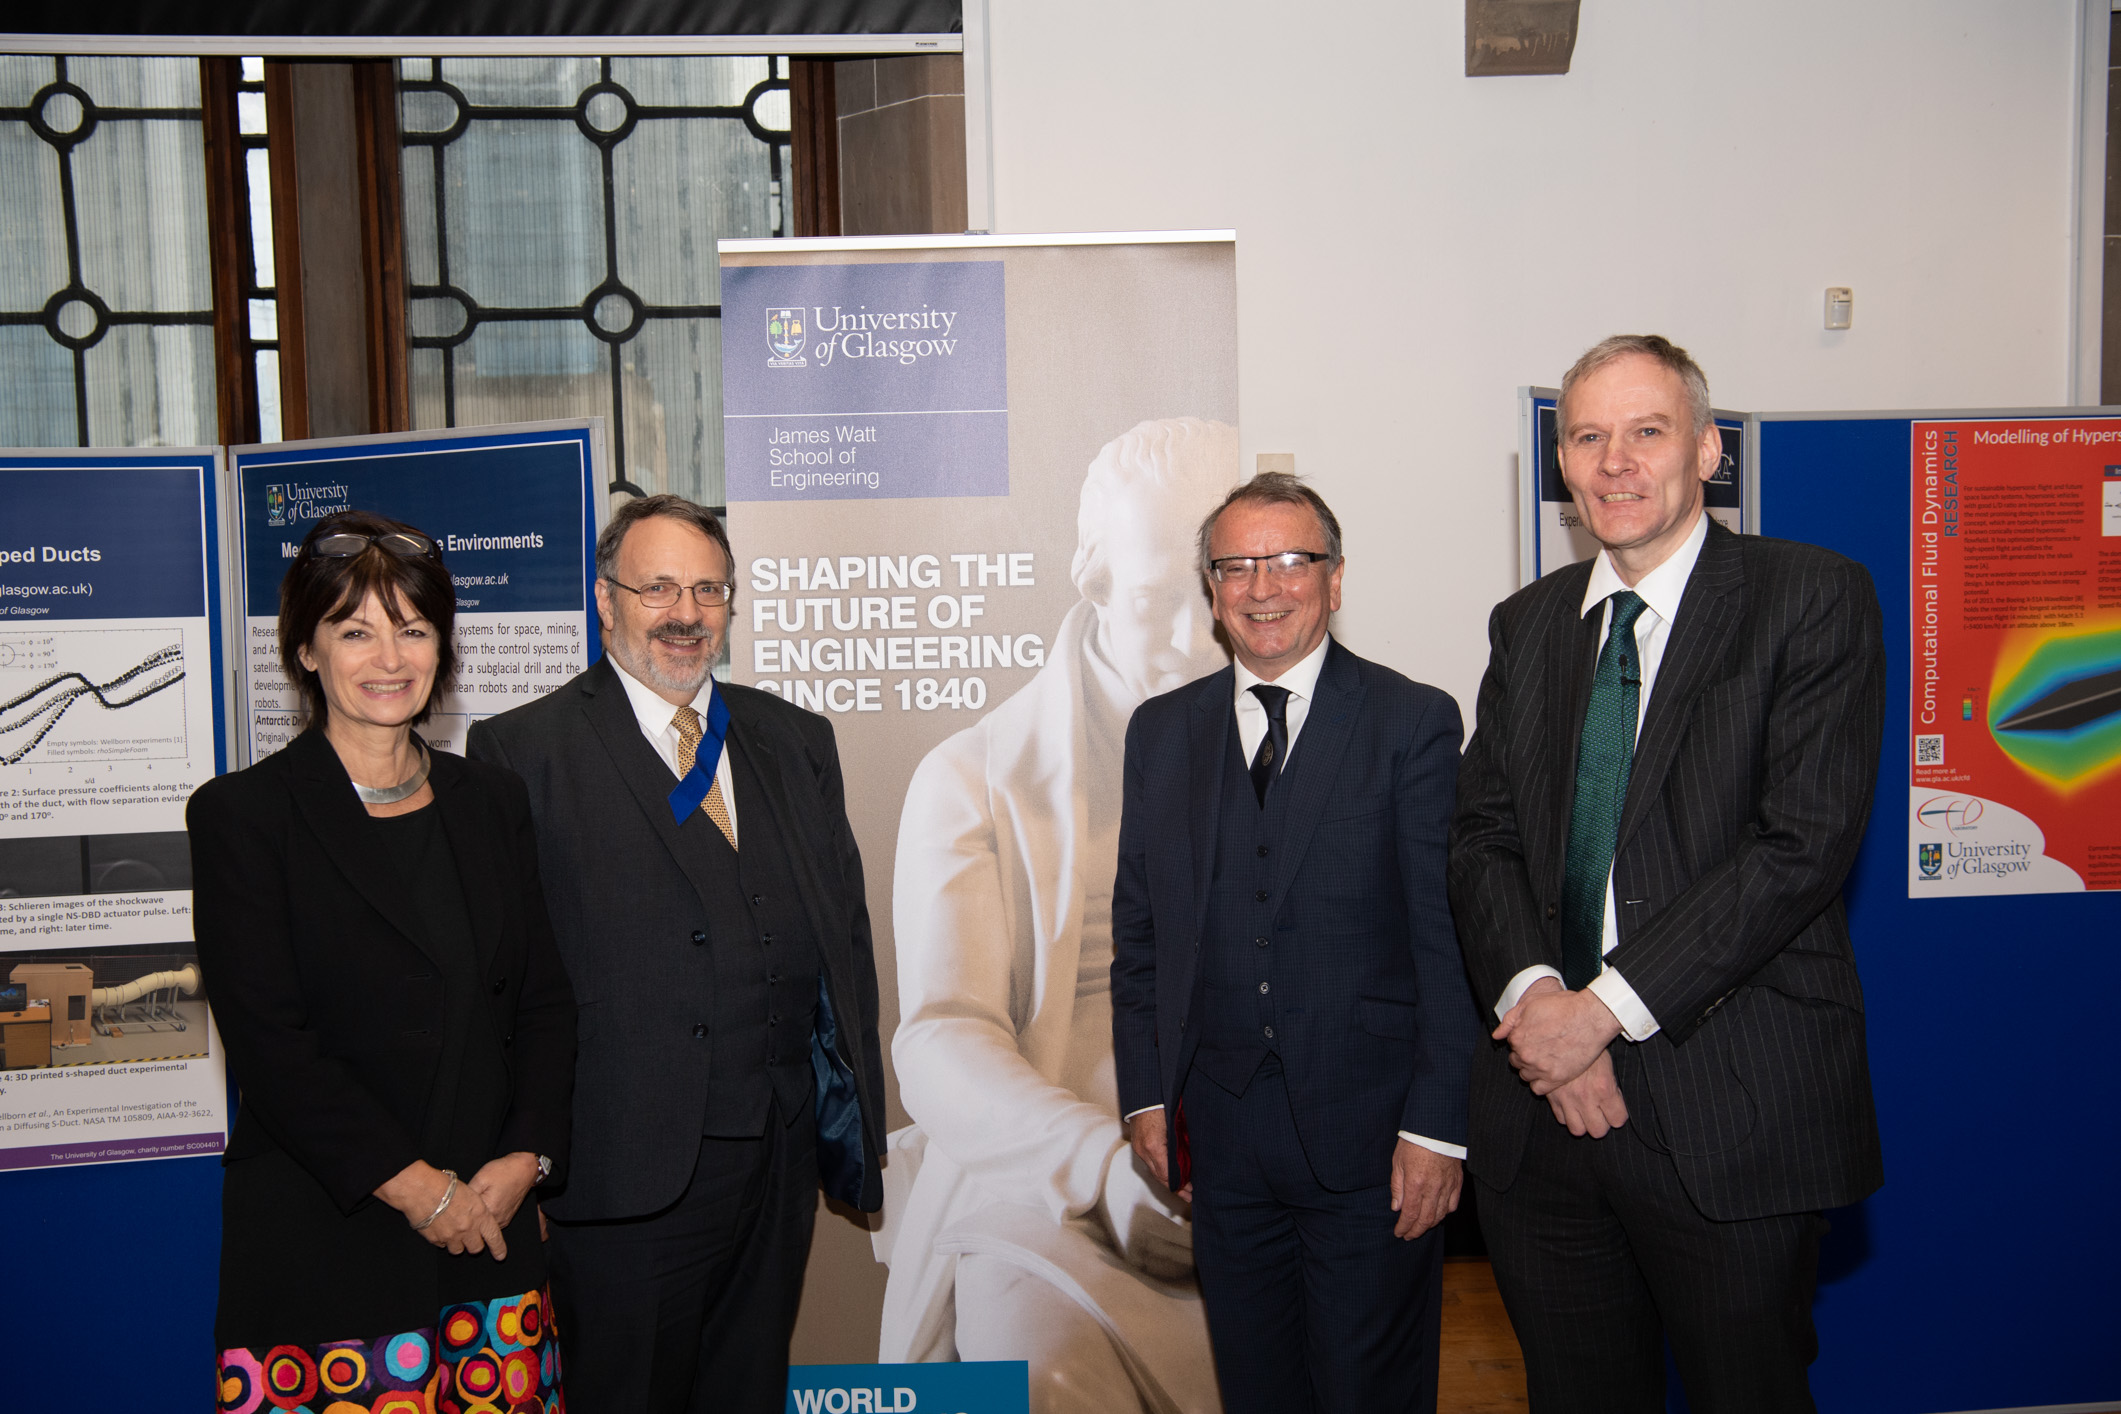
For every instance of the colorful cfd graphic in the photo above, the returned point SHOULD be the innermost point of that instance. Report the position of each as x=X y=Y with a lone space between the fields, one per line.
x=785 y=336
x=2058 y=712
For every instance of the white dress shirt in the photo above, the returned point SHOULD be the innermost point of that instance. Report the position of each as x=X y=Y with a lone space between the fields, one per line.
x=659 y=724
x=1302 y=683
x=1661 y=590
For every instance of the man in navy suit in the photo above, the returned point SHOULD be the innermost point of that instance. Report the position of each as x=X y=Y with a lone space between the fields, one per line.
x=1285 y=977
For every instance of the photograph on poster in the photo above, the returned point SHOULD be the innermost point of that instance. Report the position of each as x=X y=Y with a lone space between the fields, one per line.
x=2015 y=582
x=102 y=1007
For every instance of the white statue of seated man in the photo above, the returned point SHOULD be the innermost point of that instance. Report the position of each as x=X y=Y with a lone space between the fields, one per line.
x=1028 y=1230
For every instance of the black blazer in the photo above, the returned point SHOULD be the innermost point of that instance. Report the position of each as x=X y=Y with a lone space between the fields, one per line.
x=1383 y=1027
x=327 y=1001
x=1750 y=790
x=624 y=908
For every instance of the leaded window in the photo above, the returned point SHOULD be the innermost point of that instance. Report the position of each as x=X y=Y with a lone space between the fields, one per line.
x=254 y=256
x=560 y=225
x=106 y=300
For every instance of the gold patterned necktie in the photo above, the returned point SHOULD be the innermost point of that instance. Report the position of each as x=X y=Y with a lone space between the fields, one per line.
x=688 y=724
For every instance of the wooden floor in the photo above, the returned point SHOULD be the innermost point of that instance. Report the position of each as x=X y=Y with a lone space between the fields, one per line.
x=1482 y=1371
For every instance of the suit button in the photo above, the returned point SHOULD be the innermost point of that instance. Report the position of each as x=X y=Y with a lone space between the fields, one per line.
x=1262 y=851
x=1552 y=910
x=1262 y=942
x=500 y=985
x=698 y=936
x=757 y=899
x=773 y=979
x=766 y=938
x=773 y=1021
x=1270 y=1032
x=1263 y=989
x=1261 y=895
x=699 y=1031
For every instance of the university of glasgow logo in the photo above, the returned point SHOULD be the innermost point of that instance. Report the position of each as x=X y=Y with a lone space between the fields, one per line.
x=1931 y=858
x=785 y=336
x=276 y=505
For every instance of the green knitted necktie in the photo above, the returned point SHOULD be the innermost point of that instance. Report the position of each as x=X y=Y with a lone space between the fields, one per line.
x=1603 y=760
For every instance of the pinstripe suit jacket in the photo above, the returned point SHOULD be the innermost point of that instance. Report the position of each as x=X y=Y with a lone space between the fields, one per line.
x=1751 y=785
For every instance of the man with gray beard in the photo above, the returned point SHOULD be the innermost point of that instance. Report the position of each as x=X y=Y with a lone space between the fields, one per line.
x=706 y=894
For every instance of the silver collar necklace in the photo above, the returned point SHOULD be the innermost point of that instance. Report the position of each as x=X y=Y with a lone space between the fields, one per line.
x=391 y=795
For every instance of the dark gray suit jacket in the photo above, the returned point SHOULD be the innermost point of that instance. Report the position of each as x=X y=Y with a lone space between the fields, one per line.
x=625 y=903
x=1751 y=786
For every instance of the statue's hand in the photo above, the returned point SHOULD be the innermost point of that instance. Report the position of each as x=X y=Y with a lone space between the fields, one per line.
x=1150 y=1227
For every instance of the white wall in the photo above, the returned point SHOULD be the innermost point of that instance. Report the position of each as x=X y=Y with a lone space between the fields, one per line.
x=1414 y=244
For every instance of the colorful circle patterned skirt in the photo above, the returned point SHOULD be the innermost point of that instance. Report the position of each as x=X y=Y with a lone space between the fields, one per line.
x=482 y=1357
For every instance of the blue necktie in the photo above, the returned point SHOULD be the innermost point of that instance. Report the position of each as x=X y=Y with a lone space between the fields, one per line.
x=1604 y=757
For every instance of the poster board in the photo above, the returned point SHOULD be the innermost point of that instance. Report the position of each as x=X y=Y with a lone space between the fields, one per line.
x=515 y=512
x=1550 y=534
x=110 y=716
x=1981 y=1030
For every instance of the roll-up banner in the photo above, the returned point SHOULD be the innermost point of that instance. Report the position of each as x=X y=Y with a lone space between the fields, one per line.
x=110 y=713
x=1550 y=533
x=515 y=512
x=964 y=477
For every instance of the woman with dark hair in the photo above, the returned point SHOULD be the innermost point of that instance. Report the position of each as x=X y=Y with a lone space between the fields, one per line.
x=395 y=1012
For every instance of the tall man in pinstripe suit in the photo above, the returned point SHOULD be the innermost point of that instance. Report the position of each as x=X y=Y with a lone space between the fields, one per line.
x=1670 y=772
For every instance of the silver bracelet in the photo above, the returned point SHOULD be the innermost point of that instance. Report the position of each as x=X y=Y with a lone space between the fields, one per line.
x=447 y=1194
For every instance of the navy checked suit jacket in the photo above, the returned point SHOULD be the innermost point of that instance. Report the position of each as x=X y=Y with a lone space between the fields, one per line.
x=1377 y=1025
x=1751 y=787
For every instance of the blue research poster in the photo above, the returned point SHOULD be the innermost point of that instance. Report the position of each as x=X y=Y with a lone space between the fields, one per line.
x=109 y=685
x=515 y=512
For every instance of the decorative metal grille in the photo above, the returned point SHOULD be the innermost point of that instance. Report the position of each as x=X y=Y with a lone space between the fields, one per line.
x=106 y=318
x=560 y=227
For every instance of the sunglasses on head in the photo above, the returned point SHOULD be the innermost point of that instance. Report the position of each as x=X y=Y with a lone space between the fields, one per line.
x=410 y=544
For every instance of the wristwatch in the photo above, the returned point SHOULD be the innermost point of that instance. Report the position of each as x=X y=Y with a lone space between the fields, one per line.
x=544 y=1168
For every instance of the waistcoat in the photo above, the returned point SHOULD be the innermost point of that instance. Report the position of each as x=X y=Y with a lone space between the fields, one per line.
x=762 y=948
x=1237 y=1006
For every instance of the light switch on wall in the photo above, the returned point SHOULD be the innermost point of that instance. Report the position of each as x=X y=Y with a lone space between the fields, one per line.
x=1840 y=306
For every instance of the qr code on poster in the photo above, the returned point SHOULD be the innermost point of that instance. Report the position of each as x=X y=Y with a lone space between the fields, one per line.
x=1929 y=751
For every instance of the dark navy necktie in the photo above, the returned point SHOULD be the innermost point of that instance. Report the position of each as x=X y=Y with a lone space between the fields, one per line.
x=1604 y=758
x=1267 y=761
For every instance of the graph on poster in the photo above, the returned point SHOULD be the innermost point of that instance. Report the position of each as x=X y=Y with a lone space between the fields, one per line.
x=91 y=695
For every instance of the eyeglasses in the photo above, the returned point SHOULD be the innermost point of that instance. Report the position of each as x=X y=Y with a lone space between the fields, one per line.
x=1288 y=564
x=409 y=544
x=708 y=593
